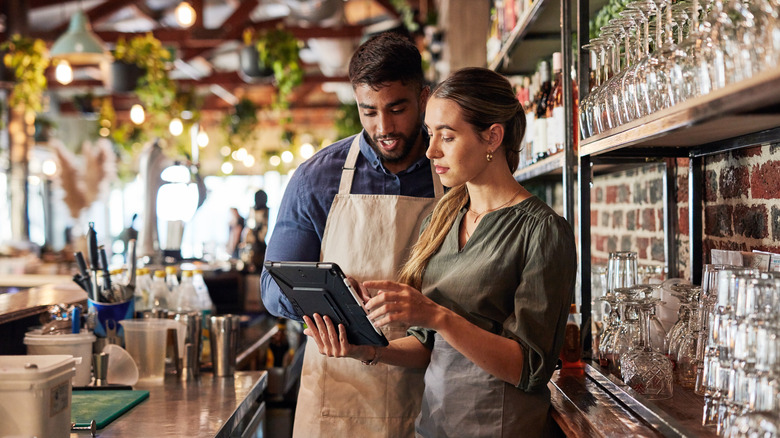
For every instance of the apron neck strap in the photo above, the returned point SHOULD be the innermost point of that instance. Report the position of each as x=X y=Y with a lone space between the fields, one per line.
x=348 y=171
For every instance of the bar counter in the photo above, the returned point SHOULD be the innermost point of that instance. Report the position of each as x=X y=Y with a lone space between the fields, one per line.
x=207 y=407
x=590 y=403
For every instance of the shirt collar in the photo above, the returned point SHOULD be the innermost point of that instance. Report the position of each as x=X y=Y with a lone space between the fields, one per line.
x=370 y=154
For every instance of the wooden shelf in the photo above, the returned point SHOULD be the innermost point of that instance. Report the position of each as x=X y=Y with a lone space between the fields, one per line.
x=536 y=35
x=552 y=165
x=739 y=109
x=593 y=404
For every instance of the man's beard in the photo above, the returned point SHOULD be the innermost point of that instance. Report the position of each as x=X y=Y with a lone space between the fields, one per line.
x=407 y=144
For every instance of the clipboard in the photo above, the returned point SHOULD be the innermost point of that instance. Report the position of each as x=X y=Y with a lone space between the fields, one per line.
x=321 y=287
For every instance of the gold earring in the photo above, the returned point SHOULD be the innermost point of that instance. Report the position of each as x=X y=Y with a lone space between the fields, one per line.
x=489 y=156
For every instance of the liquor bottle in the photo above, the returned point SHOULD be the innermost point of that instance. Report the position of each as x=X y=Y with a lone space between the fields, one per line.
x=555 y=118
x=160 y=295
x=279 y=353
x=540 y=102
x=530 y=119
x=571 y=353
x=187 y=298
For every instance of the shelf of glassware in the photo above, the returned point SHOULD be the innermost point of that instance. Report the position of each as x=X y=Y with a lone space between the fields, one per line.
x=745 y=107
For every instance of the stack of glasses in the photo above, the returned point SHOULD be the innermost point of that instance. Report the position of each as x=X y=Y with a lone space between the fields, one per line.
x=698 y=47
x=739 y=365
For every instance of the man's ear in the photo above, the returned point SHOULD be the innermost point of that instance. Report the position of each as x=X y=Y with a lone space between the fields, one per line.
x=425 y=94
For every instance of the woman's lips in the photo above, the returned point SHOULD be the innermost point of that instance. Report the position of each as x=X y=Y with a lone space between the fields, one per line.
x=441 y=169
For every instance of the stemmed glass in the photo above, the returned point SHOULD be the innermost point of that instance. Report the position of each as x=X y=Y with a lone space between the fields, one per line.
x=632 y=56
x=588 y=108
x=603 y=101
x=619 y=29
x=642 y=100
x=646 y=371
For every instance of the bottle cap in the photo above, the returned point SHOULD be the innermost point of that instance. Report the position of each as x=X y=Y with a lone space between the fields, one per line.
x=186 y=273
x=170 y=269
x=573 y=308
x=159 y=273
x=557 y=61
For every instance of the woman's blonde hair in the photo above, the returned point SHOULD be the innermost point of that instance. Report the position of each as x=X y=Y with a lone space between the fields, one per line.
x=485 y=98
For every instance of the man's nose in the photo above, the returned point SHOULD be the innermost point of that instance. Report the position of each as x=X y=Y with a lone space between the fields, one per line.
x=385 y=125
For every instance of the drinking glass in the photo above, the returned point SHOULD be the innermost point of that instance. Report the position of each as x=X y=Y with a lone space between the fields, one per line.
x=621 y=270
x=646 y=371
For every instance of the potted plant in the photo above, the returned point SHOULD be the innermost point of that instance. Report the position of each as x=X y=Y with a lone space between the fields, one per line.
x=252 y=69
x=279 y=49
x=27 y=59
x=153 y=87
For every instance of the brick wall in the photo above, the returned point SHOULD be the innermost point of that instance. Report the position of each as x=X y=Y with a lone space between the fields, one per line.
x=627 y=214
x=741 y=208
x=742 y=200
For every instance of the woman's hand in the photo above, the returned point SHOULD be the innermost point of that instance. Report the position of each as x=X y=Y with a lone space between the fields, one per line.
x=362 y=291
x=332 y=342
x=398 y=302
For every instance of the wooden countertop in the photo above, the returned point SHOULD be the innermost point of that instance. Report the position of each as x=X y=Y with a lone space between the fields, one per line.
x=33 y=301
x=591 y=404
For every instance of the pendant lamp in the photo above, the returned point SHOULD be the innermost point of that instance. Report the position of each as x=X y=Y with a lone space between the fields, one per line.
x=79 y=45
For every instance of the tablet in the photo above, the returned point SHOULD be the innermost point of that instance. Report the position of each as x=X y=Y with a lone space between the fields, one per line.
x=319 y=287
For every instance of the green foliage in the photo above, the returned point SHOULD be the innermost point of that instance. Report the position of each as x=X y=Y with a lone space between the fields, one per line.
x=28 y=60
x=407 y=14
x=240 y=123
x=279 y=49
x=348 y=120
x=155 y=89
x=606 y=13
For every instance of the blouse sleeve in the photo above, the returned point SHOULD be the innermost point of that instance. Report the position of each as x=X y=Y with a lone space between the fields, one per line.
x=542 y=299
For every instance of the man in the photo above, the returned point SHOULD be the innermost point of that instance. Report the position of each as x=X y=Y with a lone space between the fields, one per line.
x=359 y=203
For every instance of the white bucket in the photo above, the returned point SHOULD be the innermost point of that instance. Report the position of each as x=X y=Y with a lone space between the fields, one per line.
x=35 y=395
x=76 y=345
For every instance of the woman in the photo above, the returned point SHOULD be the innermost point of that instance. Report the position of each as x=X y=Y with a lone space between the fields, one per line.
x=496 y=267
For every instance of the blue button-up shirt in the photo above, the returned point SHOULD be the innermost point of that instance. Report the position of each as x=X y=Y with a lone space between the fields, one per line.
x=306 y=202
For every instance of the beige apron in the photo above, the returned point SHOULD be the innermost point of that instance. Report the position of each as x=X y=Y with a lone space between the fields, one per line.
x=368 y=236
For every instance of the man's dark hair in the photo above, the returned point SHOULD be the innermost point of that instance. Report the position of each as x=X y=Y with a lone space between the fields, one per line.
x=384 y=58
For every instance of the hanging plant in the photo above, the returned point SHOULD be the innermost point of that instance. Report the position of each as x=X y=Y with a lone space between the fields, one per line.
x=155 y=89
x=28 y=60
x=279 y=50
x=240 y=123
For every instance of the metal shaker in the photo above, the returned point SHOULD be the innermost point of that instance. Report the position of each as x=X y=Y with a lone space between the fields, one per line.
x=224 y=343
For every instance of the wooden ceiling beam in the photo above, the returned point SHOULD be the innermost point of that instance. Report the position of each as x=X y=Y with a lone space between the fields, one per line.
x=98 y=14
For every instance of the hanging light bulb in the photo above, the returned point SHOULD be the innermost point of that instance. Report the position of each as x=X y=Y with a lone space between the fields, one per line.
x=227 y=168
x=176 y=127
x=287 y=156
x=79 y=44
x=203 y=139
x=307 y=150
x=137 y=114
x=185 y=14
x=63 y=73
x=275 y=160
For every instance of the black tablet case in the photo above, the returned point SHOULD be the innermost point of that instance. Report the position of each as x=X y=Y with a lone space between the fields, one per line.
x=319 y=287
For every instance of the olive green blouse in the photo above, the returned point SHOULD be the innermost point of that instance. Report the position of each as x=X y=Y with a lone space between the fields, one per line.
x=514 y=277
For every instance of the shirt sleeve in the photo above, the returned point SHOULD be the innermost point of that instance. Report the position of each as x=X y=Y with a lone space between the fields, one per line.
x=542 y=300
x=295 y=238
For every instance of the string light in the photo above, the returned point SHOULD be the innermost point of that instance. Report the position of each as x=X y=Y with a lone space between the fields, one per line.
x=275 y=160
x=49 y=167
x=185 y=14
x=287 y=156
x=307 y=150
x=137 y=114
x=203 y=139
x=227 y=168
x=176 y=127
